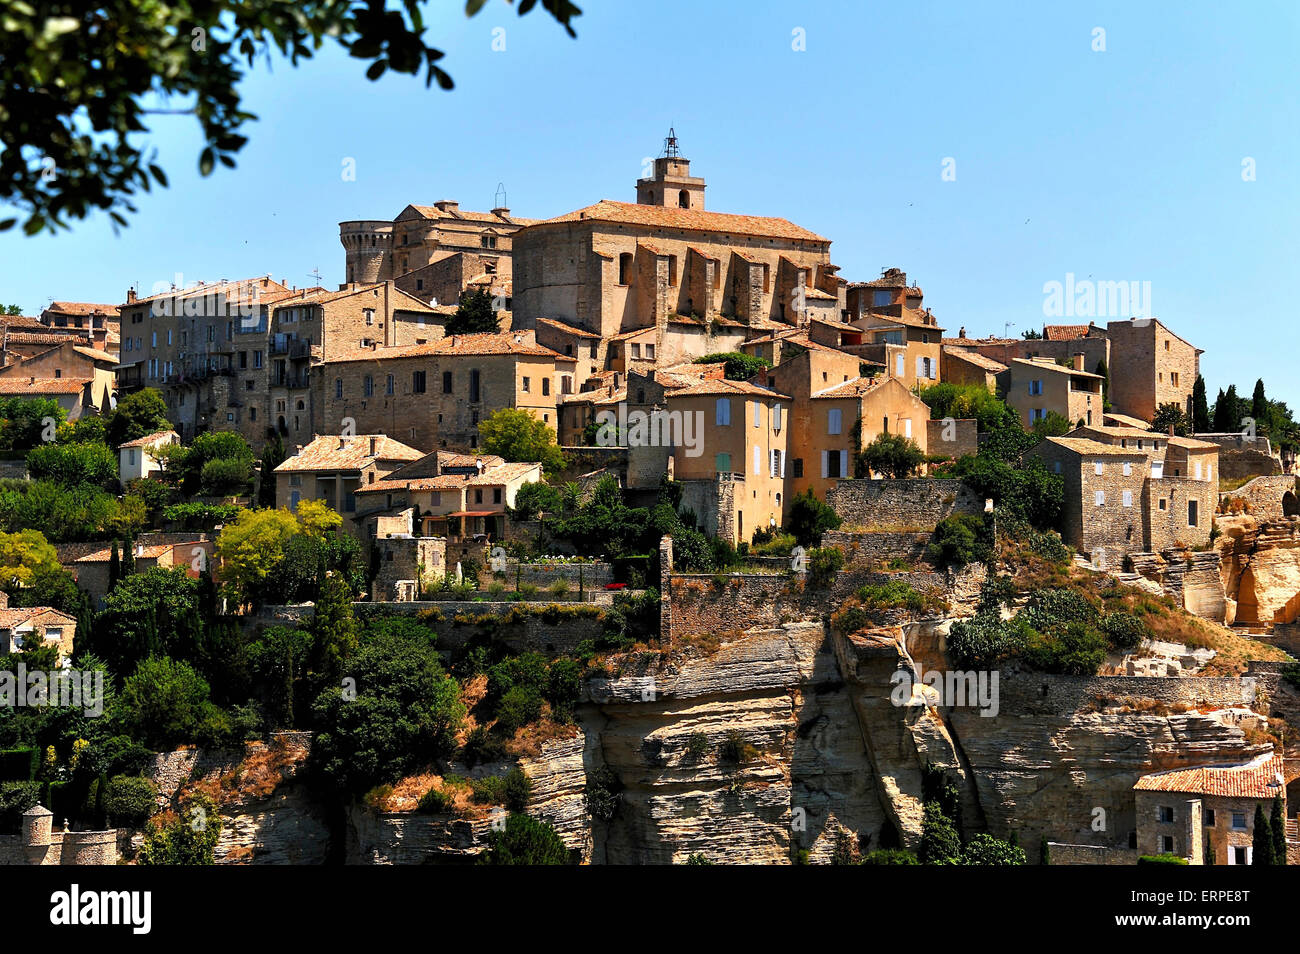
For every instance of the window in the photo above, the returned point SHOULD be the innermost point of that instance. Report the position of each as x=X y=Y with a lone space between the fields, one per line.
x=369 y=387
x=1164 y=504
x=672 y=271
x=1166 y=814
x=1101 y=498
x=722 y=463
x=257 y=359
x=625 y=268
x=900 y=365
x=834 y=463
x=1173 y=378
x=722 y=412
x=758 y=460
x=1035 y=387
x=758 y=414
x=1098 y=468
x=1128 y=469
x=776 y=417
x=833 y=420
x=636 y=350
x=338 y=388
x=527 y=385
x=1209 y=818
x=1193 y=513
x=388 y=385
x=488 y=241
x=474 y=386
x=370 y=316
x=797 y=464
x=1128 y=498
x=243 y=360
x=1238 y=821
x=1167 y=844
x=446 y=382
x=496 y=495
x=417 y=382
x=649 y=351
x=478 y=496
x=546 y=386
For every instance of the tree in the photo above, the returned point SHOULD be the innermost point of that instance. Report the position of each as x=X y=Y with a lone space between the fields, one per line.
x=13 y=311
x=334 y=630
x=893 y=455
x=25 y=422
x=155 y=613
x=1053 y=424
x=940 y=843
x=1258 y=402
x=165 y=703
x=1261 y=839
x=401 y=712
x=73 y=464
x=1227 y=413
x=1031 y=335
x=810 y=518
x=136 y=415
x=1171 y=414
x=114 y=567
x=525 y=841
x=250 y=548
x=475 y=314
x=739 y=367
x=78 y=85
x=1277 y=828
x=1104 y=370
x=534 y=498
x=23 y=556
x=517 y=435
x=984 y=849
x=1200 y=409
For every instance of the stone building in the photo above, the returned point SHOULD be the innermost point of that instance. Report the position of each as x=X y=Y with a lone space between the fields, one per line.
x=167 y=550
x=434 y=252
x=966 y=367
x=333 y=468
x=314 y=325
x=433 y=395
x=1150 y=366
x=667 y=264
x=735 y=472
x=20 y=625
x=457 y=497
x=1207 y=814
x=98 y=318
x=138 y=458
x=1037 y=387
x=205 y=348
x=71 y=394
x=905 y=337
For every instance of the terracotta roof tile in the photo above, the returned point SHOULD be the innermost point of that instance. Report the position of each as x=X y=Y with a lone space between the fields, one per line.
x=977 y=359
x=696 y=220
x=14 y=384
x=1259 y=778
x=1085 y=447
x=724 y=386
x=325 y=453
x=149 y=440
x=509 y=342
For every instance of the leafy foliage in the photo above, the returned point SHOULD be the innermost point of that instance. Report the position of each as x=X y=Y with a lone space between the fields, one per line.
x=475 y=314
x=893 y=455
x=739 y=366
x=810 y=518
x=525 y=841
x=517 y=435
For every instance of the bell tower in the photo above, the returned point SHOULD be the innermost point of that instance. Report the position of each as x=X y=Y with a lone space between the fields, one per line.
x=672 y=184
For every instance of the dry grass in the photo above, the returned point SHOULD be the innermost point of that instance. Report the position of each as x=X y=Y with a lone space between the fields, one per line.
x=528 y=741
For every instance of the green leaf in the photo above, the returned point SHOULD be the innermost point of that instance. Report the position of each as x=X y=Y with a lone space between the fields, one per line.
x=206 y=161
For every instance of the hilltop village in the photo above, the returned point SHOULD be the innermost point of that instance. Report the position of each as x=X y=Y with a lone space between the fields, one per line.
x=636 y=535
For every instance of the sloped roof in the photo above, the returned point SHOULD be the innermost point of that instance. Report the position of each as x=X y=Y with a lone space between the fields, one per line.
x=18 y=615
x=14 y=384
x=1085 y=447
x=697 y=220
x=496 y=474
x=1259 y=778
x=977 y=359
x=332 y=452
x=149 y=440
x=82 y=308
x=508 y=342
x=725 y=386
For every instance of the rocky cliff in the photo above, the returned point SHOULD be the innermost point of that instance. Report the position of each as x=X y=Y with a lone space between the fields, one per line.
x=1260 y=562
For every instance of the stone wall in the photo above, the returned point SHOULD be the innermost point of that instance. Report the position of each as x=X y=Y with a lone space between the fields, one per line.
x=1265 y=498
x=955 y=439
x=1191 y=578
x=593 y=576
x=1060 y=854
x=916 y=504
x=417 y=559
x=1063 y=695
x=864 y=550
x=548 y=628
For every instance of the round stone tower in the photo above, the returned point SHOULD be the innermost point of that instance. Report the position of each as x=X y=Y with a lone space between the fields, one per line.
x=369 y=249
x=38 y=833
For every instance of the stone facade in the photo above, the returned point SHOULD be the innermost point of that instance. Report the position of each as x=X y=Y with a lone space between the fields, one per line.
x=1150 y=366
x=407 y=565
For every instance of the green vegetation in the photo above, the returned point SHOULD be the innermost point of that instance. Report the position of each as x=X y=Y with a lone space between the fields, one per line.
x=475 y=314
x=517 y=435
x=809 y=519
x=960 y=539
x=70 y=465
x=739 y=367
x=190 y=839
x=892 y=455
x=525 y=841
x=137 y=415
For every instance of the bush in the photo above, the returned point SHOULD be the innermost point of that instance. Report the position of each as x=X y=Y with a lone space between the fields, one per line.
x=16 y=798
x=1162 y=859
x=129 y=801
x=520 y=706
x=225 y=476
x=1078 y=650
x=940 y=843
x=435 y=801
x=984 y=849
x=19 y=764
x=697 y=745
x=890 y=856
x=960 y=539
x=525 y=841
x=810 y=518
x=985 y=640
x=823 y=564
x=72 y=464
x=739 y=367
x=735 y=750
x=1124 y=630
x=602 y=793
x=190 y=839
x=481 y=746
x=893 y=455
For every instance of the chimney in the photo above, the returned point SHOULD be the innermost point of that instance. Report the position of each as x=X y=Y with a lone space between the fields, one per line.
x=374 y=445
x=446 y=205
x=1078 y=361
x=343 y=442
x=502 y=211
x=962 y=333
x=130 y=296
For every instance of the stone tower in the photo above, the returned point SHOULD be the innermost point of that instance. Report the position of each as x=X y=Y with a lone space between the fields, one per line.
x=671 y=184
x=369 y=249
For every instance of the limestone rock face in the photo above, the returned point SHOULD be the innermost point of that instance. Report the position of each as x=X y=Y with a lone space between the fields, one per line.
x=1261 y=568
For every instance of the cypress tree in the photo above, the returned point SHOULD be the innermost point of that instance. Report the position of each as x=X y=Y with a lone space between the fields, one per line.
x=1104 y=371
x=272 y=457
x=114 y=567
x=128 y=556
x=1277 y=824
x=1261 y=839
x=1200 y=408
x=1258 y=402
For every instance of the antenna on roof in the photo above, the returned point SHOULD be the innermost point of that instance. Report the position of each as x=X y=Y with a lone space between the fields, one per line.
x=499 y=199
x=315 y=273
x=1006 y=329
x=670 y=144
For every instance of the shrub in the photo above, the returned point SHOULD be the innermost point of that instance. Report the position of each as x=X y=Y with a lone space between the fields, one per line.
x=697 y=745
x=19 y=764
x=890 y=856
x=985 y=640
x=525 y=841
x=739 y=367
x=823 y=564
x=518 y=788
x=810 y=518
x=70 y=465
x=481 y=746
x=1077 y=650
x=129 y=801
x=435 y=801
x=893 y=455
x=940 y=843
x=190 y=839
x=735 y=749
x=1161 y=859
x=518 y=707
x=983 y=849
x=1124 y=630
x=602 y=793
x=960 y=539
x=16 y=798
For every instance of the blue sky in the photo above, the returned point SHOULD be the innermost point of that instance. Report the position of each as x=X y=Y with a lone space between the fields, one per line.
x=1122 y=165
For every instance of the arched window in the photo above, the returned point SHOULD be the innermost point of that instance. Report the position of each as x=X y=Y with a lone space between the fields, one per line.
x=684 y=199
